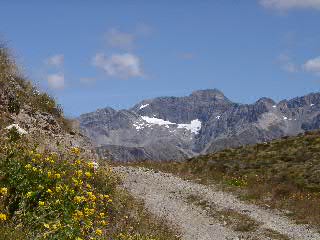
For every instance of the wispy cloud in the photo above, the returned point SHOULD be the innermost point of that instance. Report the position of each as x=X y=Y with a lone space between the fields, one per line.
x=55 y=60
x=284 y=5
x=118 y=39
x=287 y=64
x=312 y=65
x=126 y=40
x=186 y=56
x=56 y=81
x=87 y=80
x=143 y=29
x=122 y=66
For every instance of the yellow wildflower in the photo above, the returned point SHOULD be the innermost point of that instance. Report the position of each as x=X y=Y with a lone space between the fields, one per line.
x=88 y=211
x=57 y=175
x=91 y=196
x=77 y=215
x=79 y=173
x=98 y=232
x=4 y=191
x=49 y=191
x=91 y=164
x=49 y=174
x=104 y=223
x=3 y=217
x=75 y=181
x=29 y=194
x=46 y=225
x=28 y=166
x=79 y=199
x=41 y=203
x=75 y=150
x=58 y=188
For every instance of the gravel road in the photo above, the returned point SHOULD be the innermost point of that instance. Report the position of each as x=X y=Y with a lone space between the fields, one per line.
x=205 y=213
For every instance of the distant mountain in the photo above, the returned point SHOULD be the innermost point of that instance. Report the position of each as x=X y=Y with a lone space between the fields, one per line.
x=168 y=128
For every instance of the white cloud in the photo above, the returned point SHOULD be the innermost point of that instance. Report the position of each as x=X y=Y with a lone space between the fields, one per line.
x=290 y=4
x=119 y=65
x=118 y=39
x=56 y=60
x=56 y=81
x=312 y=65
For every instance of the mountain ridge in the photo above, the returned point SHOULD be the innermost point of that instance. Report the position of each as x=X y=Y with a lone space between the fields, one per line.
x=204 y=121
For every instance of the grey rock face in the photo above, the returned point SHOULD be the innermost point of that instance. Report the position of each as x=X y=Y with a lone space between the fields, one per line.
x=173 y=128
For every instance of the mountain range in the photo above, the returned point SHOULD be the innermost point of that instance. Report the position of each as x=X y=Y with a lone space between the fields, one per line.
x=176 y=128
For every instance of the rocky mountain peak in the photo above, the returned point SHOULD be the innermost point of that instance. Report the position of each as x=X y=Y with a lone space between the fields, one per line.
x=208 y=95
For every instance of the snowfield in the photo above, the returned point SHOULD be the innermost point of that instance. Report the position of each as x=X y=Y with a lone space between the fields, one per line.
x=194 y=126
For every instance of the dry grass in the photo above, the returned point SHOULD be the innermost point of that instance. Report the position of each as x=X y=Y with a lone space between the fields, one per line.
x=234 y=220
x=143 y=222
x=282 y=174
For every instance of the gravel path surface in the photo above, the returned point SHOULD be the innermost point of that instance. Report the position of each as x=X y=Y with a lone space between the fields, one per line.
x=167 y=196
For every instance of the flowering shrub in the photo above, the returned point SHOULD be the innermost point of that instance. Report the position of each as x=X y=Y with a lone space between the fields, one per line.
x=55 y=196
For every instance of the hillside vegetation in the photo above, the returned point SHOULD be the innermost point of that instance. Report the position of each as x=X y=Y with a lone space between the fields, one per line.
x=65 y=193
x=20 y=92
x=283 y=174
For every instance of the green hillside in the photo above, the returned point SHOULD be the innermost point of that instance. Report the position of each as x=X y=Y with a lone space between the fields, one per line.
x=283 y=174
x=50 y=189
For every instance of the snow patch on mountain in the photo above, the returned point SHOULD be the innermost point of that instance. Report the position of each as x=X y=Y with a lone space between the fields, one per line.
x=157 y=121
x=144 y=106
x=194 y=126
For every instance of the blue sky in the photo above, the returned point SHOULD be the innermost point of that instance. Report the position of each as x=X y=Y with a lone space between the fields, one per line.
x=93 y=54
